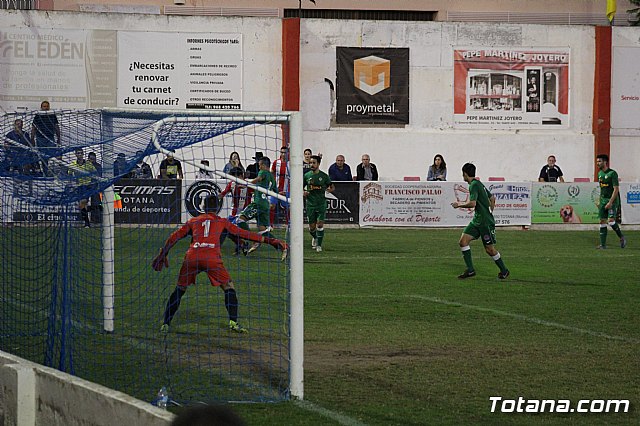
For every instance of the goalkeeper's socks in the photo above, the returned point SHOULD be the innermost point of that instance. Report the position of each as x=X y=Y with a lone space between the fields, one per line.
x=172 y=304
x=603 y=235
x=466 y=255
x=616 y=228
x=320 y=235
x=498 y=259
x=231 y=303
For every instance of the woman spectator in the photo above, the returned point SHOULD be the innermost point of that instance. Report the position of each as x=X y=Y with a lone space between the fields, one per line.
x=306 y=166
x=438 y=170
x=234 y=162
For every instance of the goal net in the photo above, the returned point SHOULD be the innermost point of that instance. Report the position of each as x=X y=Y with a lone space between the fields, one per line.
x=87 y=200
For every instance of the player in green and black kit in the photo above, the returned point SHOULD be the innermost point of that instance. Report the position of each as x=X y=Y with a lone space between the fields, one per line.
x=316 y=182
x=482 y=225
x=259 y=207
x=609 y=201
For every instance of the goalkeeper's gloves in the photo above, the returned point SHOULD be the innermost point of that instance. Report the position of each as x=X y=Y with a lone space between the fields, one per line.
x=160 y=261
x=276 y=243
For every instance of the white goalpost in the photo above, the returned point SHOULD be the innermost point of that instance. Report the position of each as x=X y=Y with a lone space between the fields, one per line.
x=296 y=223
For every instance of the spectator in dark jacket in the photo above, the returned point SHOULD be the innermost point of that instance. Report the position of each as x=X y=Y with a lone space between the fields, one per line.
x=366 y=170
x=340 y=171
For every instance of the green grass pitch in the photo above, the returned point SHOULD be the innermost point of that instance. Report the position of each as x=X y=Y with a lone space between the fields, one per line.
x=392 y=337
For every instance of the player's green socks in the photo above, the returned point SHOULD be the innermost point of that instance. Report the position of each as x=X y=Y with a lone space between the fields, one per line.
x=616 y=228
x=466 y=255
x=319 y=235
x=314 y=234
x=231 y=303
x=172 y=304
x=603 y=235
x=244 y=225
x=498 y=259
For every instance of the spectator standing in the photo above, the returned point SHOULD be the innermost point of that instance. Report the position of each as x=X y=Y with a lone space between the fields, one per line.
x=45 y=134
x=340 y=171
x=438 y=170
x=366 y=170
x=253 y=169
x=234 y=161
x=96 y=203
x=551 y=172
x=93 y=159
x=82 y=169
x=204 y=173
x=120 y=167
x=18 y=149
x=170 y=168
x=142 y=170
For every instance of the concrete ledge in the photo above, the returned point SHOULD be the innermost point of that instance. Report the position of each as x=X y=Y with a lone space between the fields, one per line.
x=31 y=394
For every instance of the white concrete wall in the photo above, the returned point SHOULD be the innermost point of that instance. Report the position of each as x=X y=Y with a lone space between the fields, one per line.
x=516 y=155
x=398 y=152
x=31 y=395
x=625 y=143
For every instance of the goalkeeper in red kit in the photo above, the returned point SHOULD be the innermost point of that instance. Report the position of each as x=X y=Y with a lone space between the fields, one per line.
x=203 y=255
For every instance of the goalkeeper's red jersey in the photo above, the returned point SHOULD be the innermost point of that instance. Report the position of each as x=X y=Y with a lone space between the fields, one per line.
x=205 y=231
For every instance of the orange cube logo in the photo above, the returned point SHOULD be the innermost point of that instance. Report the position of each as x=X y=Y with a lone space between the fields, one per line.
x=372 y=74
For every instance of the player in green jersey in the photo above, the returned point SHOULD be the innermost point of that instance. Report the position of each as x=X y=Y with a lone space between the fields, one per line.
x=481 y=226
x=316 y=182
x=259 y=207
x=609 y=201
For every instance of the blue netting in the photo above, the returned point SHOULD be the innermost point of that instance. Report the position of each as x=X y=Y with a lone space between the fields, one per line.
x=55 y=273
x=45 y=163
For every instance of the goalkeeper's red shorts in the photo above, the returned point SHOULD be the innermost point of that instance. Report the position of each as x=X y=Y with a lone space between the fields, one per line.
x=193 y=264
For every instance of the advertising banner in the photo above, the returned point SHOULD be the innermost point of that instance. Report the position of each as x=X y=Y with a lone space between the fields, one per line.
x=342 y=204
x=511 y=88
x=179 y=70
x=77 y=69
x=625 y=88
x=372 y=85
x=42 y=63
x=149 y=201
x=565 y=202
x=630 y=197
x=429 y=203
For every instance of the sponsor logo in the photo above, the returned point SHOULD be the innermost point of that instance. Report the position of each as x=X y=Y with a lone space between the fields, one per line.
x=547 y=195
x=573 y=191
x=144 y=190
x=372 y=191
x=372 y=74
x=196 y=193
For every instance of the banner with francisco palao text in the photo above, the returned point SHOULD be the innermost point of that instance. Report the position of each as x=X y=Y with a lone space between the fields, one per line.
x=428 y=204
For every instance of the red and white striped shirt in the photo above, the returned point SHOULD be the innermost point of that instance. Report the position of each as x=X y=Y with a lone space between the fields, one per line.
x=240 y=194
x=280 y=170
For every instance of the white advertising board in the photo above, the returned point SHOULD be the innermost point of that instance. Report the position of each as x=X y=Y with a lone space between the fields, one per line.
x=428 y=204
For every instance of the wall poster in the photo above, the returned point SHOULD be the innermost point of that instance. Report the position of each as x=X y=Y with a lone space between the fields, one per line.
x=507 y=88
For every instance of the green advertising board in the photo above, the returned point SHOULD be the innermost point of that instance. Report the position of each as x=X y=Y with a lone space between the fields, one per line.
x=565 y=202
